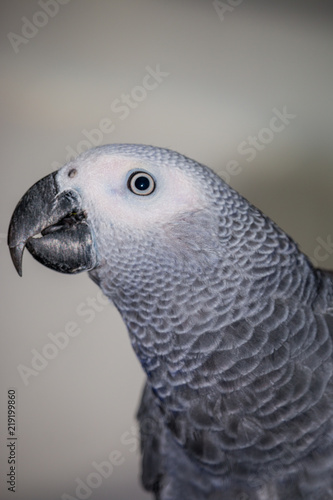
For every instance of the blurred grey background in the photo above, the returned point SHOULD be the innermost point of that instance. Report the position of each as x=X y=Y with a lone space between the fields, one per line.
x=74 y=71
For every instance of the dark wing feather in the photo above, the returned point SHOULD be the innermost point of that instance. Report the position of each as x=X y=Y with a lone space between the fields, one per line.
x=150 y=423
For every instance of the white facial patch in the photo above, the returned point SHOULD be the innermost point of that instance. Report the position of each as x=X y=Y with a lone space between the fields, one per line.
x=103 y=186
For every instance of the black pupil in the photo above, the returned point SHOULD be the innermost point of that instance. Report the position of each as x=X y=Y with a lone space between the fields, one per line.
x=142 y=183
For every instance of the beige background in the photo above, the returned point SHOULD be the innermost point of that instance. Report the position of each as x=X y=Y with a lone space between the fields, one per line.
x=225 y=78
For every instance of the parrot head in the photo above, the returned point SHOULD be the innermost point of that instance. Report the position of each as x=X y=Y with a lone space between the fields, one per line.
x=110 y=202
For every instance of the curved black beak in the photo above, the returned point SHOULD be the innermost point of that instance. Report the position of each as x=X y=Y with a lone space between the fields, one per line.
x=54 y=229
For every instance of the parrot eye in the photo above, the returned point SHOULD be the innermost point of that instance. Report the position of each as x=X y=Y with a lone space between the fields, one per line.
x=141 y=183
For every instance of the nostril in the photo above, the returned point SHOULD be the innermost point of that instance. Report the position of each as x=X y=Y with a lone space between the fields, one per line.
x=72 y=173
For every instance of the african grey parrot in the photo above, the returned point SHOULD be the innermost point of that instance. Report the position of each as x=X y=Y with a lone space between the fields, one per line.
x=230 y=321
